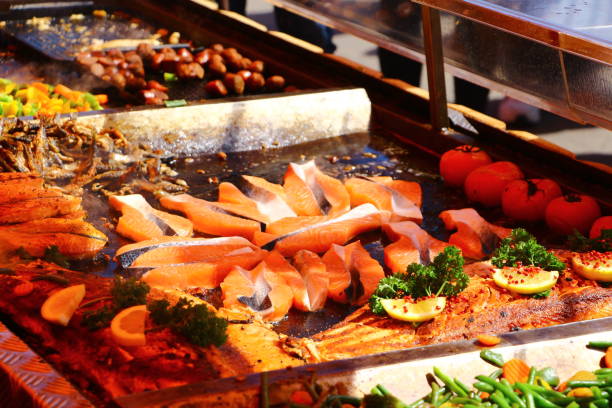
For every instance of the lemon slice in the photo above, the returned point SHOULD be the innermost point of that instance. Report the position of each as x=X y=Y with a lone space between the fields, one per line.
x=594 y=265
x=128 y=327
x=405 y=310
x=61 y=305
x=527 y=280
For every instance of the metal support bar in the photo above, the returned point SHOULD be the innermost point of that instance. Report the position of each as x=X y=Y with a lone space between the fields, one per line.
x=432 y=38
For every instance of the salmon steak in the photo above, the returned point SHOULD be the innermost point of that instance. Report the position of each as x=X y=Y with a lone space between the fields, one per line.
x=475 y=236
x=139 y=221
x=412 y=245
x=210 y=219
x=399 y=199
x=319 y=233
x=310 y=192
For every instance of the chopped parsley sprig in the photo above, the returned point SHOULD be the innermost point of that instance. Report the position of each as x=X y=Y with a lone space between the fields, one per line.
x=443 y=277
x=522 y=248
x=580 y=243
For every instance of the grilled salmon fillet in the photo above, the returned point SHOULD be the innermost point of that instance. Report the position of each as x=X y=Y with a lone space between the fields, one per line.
x=482 y=308
x=106 y=370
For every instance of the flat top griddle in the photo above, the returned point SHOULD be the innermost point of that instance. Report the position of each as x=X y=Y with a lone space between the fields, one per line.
x=371 y=154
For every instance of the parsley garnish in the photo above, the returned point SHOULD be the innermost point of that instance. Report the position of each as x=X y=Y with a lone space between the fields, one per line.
x=542 y=295
x=580 y=243
x=521 y=248
x=53 y=255
x=194 y=321
x=444 y=277
x=125 y=293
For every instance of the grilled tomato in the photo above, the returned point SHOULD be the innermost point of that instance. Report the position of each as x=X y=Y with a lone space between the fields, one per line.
x=572 y=212
x=486 y=184
x=526 y=200
x=456 y=164
x=603 y=223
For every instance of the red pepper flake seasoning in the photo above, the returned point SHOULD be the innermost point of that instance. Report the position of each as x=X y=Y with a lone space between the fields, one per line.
x=598 y=259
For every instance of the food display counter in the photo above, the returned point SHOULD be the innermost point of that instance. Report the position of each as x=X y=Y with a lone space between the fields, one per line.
x=336 y=127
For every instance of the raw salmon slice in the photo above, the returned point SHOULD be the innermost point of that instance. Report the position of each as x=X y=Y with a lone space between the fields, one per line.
x=311 y=192
x=475 y=236
x=413 y=245
x=353 y=273
x=319 y=237
x=278 y=264
x=397 y=197
x=207 y=274
x=209 y=219
x=75 y=239
x=270 y=199
x=167 y=250
x=140 y=222
x=260 y=289
x=314 y=273
x=38 y=208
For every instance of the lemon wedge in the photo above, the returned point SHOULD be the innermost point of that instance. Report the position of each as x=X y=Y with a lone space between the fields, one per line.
x=526 y=280
x=403 y=309
x=594 y=265
x=61 y=305
x=128 y=327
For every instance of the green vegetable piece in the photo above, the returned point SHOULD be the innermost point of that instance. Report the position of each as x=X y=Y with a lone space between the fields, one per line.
x=522 y=247
x=462 y=385
x=170 y=77
x=539 y=400
x=381 y=401
x=52 y=278
x=532 y=375
x=194 y=321
x=92 y=101
x=391 y=287
x=484 y=387
x=450 y=384
x=53 y=255
x=580 y=243
x=499 y=399
x=529 y=399
x=601 y=344
x=492 y=357
x=175 y=103
x=504 y=389
x=542 y=295
x=586 y=383
x=602 y=371
x=549 y=375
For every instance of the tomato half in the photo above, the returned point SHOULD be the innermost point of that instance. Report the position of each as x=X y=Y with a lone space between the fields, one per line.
x=603 y=223
x=486 y=184
x=526 y=200
x=456 y=164
x=572 y=211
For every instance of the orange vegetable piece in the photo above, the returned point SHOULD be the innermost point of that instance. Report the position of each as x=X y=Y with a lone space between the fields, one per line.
x=41 y=87
x=484 y=395
x=515 y=370
x=488 y=340
x=301 y=397
x=102 y=99
x=608 y=357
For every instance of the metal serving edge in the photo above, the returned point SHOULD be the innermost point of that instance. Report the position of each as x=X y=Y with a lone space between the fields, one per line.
x=541 y=346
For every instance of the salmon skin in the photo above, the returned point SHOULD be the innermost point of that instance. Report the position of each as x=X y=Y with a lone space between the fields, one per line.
x=75 y=239
x=139 y=221
x=210 y=219
x=353 y=273
x=261 y=290
x=319 y=237
x=475 y=237
x=311 y=192
x=129 y=254
x=413 y=245
x=398 y=198
x=37 y=208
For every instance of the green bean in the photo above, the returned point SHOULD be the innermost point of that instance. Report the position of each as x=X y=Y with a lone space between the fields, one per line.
x=498 y=398
x=463 y=401
x=436 y=391
x=554 y=396
x=529 y=400
x=496 y=374
x=462 y=385
x=415 y=404
x=539 y=400
x=573 y=404
x=175 y=103
x=531 y=377
x=603 y=371
x=585 y=383
x=492 y=357
x=382 y=389
x=601 y=344
x=484 y=387
x=505 y=389
x=376 y=391
x=470 y=406
x=445 y=398
x=449 y=382
x=596 y=392
x=601 y=403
